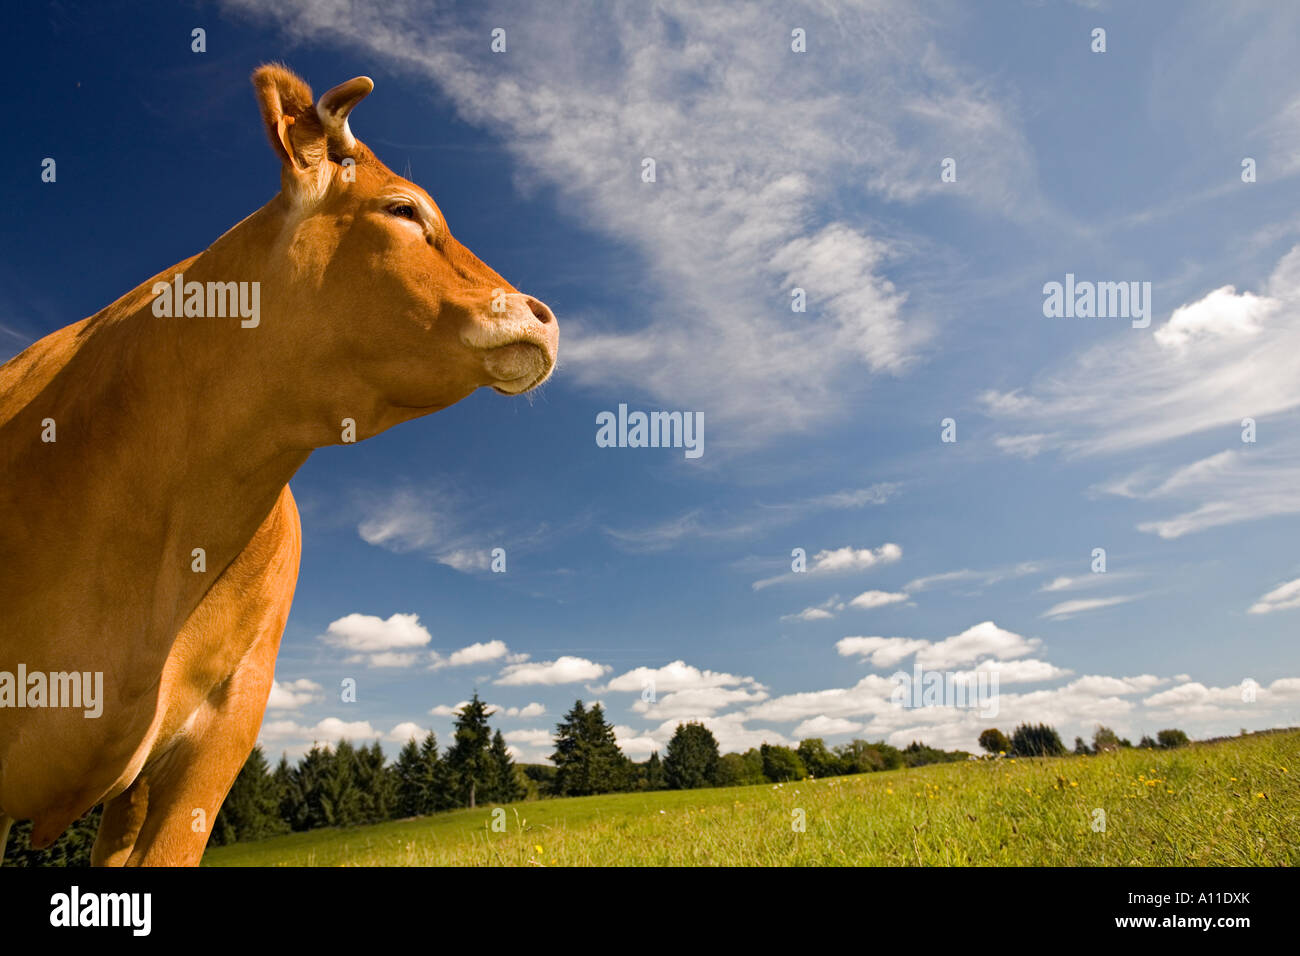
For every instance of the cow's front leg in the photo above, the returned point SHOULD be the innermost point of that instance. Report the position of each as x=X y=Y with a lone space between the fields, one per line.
x=214 y=692
x=164 y=819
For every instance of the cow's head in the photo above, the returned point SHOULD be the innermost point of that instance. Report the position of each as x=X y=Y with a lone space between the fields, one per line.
x=395 y=312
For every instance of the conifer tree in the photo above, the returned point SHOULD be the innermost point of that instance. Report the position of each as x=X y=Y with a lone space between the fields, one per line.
x=376 y=784
x=508 y=788
x=654 y=772
x=436 y=782
x=286 y=790
x=469 y=760
x=692 y=759
x=340 y=798
x=308 y=782
x=411 y=787
x=569 y=750
x=587 y=759
x=251 y=810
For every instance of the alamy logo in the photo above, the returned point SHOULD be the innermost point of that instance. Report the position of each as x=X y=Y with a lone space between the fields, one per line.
x=211 y=300
x=653 y=430
x=74 y=908
x=55 y=689
x=1100 y=300
x=957 y=689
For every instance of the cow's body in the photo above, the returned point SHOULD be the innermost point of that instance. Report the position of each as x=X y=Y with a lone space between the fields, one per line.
x=179 y=434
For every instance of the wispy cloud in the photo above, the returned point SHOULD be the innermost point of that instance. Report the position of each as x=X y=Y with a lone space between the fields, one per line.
x=1070 y=608
x=748 y=139
x=1281 y=598
x=1226 y=355
x=743 y=523
x=969 y=575
x=832 y=561
x=1226 y=488
x=440 y=524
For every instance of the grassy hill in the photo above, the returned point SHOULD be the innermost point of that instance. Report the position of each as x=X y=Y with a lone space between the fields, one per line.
x=1234 y=802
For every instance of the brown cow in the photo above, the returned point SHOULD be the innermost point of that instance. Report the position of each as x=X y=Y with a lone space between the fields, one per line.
x=170 y=422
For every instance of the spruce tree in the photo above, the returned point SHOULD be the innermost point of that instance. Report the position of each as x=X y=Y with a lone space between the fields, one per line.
x=473 y=771
x=608 y=770
x=411 y=787
x=286 y=791
x=306 y=805
x=436 y=783
x=376 y=784
x=251 y=810
x=340 y=797
x=654 y=772
x=508 y=788
x=569 y=750
x=692 y=759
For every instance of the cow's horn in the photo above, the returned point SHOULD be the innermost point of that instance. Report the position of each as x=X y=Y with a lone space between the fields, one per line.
x=335 y=105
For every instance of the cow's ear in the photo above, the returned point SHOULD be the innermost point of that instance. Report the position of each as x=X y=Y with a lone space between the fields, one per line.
x=289 y=114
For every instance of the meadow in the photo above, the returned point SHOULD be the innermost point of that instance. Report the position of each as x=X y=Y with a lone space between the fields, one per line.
x=1231 y=802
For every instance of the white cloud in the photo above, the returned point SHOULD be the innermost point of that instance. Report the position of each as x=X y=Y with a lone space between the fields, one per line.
x=968 y=575
x=1226 y=351
x=633 y=743
x=327 y=731
x=1027 y=671
x=874 y=599
x=1024 y=446
x=528 y=710
x=984 y=639
x=446 y=710
x=839 y=561
x=369 y=634
x=870 y=695
x=811 y=614
x=1101 y=686
x=531 y=737
x=823 y=726
x=1282 y=597
x=1070 y=608
x=1223 y=314
x=385 y=659
x=479 y=653
x=1194 y=700
x=681 y=691
x=564 y=670
x=436 y=522
x=675 y=676
x=748 y=522
x=406 y=730
x=695 y=702
x=883 y=652
x=291 y=695
x=1231 y=486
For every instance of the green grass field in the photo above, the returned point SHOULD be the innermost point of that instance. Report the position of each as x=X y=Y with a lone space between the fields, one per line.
x=1229 y=803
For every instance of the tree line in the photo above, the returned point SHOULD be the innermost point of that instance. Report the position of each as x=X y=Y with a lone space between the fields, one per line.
x=1041 y=740
x=587 y=759
x=351 y=786
x=347 y=785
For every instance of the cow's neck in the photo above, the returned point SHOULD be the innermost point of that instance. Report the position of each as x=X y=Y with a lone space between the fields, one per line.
x=176 y=434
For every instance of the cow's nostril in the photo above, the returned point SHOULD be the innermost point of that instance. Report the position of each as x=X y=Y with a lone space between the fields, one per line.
x=541 y=310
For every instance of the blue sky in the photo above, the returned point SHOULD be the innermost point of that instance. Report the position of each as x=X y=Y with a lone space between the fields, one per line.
x=774 y=170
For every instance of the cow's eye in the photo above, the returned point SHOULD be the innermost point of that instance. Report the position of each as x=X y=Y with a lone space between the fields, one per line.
x=404 y=210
